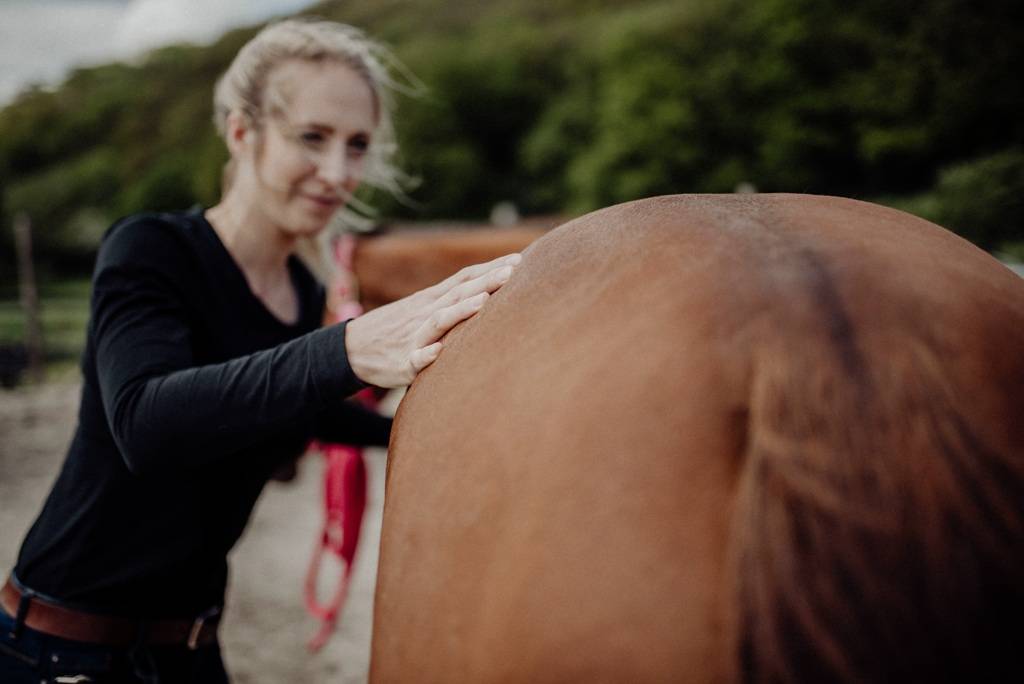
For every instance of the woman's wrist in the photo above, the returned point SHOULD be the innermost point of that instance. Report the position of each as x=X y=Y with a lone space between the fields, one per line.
x=352 y=346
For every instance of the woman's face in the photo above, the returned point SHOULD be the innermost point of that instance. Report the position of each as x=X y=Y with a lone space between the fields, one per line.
x=307 y=159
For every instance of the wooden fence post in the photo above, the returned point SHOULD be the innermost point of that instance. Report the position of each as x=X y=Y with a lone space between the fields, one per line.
x=29 y=295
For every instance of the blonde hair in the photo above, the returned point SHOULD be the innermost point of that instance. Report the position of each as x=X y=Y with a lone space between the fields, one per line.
x=246 y=88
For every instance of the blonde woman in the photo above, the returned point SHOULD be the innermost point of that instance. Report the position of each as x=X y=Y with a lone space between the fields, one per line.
x=204 y=370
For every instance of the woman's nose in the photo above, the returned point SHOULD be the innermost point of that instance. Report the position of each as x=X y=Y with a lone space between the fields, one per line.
x=333 y=168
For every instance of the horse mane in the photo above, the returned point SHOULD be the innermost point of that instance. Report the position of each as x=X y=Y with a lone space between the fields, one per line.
x=878 y=531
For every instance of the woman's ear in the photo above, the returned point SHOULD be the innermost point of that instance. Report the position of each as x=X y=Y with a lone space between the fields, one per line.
x=239 y=134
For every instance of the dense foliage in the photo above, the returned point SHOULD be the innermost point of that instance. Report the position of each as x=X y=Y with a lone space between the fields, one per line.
x=569 y=105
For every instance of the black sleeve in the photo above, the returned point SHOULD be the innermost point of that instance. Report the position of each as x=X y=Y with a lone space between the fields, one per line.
x=164 y=411
x=352 y=423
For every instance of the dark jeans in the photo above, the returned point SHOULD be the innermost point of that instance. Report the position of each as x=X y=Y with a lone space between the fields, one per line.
x=36 y=658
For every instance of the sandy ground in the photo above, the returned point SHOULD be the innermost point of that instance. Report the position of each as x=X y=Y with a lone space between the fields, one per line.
x=266 y=628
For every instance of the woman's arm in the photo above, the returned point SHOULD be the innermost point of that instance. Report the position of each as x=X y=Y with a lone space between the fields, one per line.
x=167 y=413
x=164 y=410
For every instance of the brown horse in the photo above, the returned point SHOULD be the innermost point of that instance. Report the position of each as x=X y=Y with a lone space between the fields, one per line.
x=717 y=438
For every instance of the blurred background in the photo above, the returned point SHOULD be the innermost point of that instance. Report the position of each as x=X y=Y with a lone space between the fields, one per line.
x=558 y=106
x=553 y=107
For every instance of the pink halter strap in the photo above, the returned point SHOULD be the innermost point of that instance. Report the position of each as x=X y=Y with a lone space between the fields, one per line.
x=344 y=473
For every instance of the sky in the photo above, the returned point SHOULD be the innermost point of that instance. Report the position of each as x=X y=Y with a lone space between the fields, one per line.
x=40 y=40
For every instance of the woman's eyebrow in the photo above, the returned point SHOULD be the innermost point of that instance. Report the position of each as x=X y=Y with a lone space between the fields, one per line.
x=317 y=126
x=327 y=128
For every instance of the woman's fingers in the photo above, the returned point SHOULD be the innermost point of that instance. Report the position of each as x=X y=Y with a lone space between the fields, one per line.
x=423 y=357
x=446 y=318
x=475 y=271
x=488 y=282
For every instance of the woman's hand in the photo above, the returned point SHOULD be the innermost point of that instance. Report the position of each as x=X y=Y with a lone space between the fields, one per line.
x=388 y=346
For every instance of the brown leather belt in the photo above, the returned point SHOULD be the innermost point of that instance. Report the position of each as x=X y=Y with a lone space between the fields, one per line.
x=109 y=630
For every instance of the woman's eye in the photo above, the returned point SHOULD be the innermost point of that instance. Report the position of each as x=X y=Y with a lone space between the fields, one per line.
x=358 y=146
x=311 y=137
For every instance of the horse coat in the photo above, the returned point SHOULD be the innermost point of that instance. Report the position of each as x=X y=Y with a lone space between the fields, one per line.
x=713 y=438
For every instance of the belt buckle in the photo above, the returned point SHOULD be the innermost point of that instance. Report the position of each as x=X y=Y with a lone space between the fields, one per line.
x=197 y=627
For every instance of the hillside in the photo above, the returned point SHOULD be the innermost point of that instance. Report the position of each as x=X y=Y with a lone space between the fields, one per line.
x=569 y=105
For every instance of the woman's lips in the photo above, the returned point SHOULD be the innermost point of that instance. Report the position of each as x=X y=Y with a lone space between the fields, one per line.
x=324 y=202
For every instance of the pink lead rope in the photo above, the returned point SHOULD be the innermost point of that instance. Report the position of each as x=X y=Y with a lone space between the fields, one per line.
x=344 y=475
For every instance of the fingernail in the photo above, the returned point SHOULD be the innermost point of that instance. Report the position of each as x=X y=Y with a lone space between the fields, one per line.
x=505 y=273
x=514 y=258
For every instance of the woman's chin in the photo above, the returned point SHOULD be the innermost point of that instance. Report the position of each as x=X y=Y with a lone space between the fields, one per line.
x=312 y=223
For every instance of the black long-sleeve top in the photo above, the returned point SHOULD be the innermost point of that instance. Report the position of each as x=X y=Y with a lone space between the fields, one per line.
x=193 y=393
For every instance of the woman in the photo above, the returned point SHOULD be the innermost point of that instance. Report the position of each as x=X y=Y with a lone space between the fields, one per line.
x=204 y=370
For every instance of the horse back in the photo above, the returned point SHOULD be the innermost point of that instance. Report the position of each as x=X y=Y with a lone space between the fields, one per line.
x=668 y=448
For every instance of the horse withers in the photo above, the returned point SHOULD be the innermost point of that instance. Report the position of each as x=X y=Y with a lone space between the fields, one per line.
x=717 y=438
